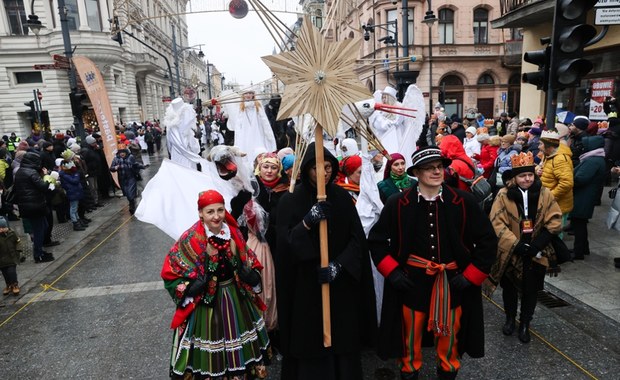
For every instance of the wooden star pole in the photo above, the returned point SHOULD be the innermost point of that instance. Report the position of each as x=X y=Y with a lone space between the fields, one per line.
x=323 y=238
x=320 y=79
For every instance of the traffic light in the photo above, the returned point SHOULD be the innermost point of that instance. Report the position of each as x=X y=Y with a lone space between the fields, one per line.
x=77 y=99
x=540 y=58
x=442 y=97
x=571 y=35
x=117 y=32
x=32 y=112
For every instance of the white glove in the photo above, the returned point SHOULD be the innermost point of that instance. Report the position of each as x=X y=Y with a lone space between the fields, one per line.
x=51 y=187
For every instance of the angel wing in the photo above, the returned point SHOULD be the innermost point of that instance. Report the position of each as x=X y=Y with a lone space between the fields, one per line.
x=413 y=125
x=169 y=198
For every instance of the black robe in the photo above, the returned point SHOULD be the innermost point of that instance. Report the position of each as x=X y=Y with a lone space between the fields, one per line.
x=471 y=240
x=353 y=316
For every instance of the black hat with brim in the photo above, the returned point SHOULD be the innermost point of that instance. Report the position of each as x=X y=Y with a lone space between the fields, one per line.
x=425 y=155
x=511 y=173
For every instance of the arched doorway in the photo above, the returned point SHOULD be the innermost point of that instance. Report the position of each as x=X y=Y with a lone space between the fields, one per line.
x=452 y=88
x=514 y=93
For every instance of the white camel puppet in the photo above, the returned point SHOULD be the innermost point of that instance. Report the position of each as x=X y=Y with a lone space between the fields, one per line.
x=169 y=198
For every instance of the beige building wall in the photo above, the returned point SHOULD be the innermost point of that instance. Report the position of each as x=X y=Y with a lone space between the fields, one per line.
x=462 y=59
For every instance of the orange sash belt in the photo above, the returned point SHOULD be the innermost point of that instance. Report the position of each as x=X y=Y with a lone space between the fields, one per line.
x=438 y=321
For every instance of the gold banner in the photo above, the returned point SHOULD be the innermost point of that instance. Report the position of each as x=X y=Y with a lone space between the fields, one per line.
x=98 y=95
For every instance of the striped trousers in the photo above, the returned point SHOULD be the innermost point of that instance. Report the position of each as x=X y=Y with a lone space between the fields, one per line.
x=414 y=323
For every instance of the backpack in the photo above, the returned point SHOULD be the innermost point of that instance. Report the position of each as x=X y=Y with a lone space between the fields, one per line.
x=479 y=186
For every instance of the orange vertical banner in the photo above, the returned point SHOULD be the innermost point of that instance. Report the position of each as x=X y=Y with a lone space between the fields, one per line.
x=98 y=95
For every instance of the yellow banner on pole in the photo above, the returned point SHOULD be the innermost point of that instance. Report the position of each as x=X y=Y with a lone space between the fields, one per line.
x=98 y=95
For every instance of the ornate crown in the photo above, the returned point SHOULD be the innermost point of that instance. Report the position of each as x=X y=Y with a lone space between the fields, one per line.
x=550 y=135
x=522 y=159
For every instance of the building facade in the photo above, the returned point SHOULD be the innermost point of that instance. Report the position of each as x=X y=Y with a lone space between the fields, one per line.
x=535 y=19
x=465 y=64
x=140 y=79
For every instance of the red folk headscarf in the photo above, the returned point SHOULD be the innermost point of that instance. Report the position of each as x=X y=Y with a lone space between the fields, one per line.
x=209 y=197
x=388 y=166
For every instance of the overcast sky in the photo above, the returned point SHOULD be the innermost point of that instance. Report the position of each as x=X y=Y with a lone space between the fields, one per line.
x=235 y=46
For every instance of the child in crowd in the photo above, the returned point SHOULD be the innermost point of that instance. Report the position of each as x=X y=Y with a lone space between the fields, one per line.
x=9 y=257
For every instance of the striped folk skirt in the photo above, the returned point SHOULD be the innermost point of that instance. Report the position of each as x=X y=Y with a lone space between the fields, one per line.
x=225 y=339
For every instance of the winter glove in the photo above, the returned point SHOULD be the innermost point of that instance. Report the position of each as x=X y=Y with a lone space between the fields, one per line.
x=330 y=272
x=237 y=203
x=320 y=210
x=459 y=282
x=249 y=276
x=522 y=249
x=399 y=280
x=197 y=287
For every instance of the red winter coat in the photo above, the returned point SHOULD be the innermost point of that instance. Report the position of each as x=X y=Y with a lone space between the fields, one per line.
x=452 y=148
x=487 y=157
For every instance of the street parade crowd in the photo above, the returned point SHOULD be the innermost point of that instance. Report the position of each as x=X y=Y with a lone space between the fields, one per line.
x=412 y=247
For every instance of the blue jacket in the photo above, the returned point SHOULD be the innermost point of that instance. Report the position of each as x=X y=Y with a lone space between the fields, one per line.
x=72 y=185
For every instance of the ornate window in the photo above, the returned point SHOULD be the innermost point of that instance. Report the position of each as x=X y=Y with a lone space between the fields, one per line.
x=73 y=16
x=93 y=15
x=485 y=79
x=446 y=26
x=17 y=17
x=481 y=26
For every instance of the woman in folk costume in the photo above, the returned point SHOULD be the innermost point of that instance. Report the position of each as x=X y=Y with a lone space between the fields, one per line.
x=525 y=217
x=262 y=226
x=351 y=169
x=250 y=124
x=395 y=178
x=214 y=279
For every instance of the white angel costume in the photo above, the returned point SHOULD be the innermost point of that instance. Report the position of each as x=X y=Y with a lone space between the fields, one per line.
x=251 y=126
x=398 y=133
x=180 y=121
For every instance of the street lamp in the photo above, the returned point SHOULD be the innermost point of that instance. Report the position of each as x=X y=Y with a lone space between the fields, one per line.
x=176 y=51
x=370 y=28
x=33 y=21
x=429 y=19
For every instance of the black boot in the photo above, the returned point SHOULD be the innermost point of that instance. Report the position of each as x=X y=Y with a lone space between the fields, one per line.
x=83 y=223
x=524 y=332
x=509 y=326
x=78 y=227
x=409 y=375
x=443 y=375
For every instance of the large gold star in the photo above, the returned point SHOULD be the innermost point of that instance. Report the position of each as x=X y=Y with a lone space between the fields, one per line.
x=319 y=77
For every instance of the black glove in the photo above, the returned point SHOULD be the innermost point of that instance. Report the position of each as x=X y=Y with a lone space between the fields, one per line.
x=318 y=212
x=197 y=287
x=399 y=280
x=459 y=282
x=249 y=276
x=522 y=249
x=237 y=203
x=330 y=272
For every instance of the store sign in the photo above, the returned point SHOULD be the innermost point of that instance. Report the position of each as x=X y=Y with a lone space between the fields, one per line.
x=601 y=88
x=607 y=3
x=607 y=16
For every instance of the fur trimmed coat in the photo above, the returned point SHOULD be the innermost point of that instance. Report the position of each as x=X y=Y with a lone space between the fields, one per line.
x=507 y=224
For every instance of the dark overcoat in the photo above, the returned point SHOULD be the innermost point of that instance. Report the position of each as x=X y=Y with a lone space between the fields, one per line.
x=352 y=299
x=589 y=176
x=472 y=242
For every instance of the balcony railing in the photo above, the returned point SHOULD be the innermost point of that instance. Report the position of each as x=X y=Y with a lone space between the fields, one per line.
x=506 y=6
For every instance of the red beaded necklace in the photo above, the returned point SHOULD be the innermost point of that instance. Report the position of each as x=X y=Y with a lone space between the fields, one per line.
x=219 y=246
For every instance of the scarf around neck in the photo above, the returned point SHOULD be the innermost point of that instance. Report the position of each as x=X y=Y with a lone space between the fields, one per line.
x=401 y=181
